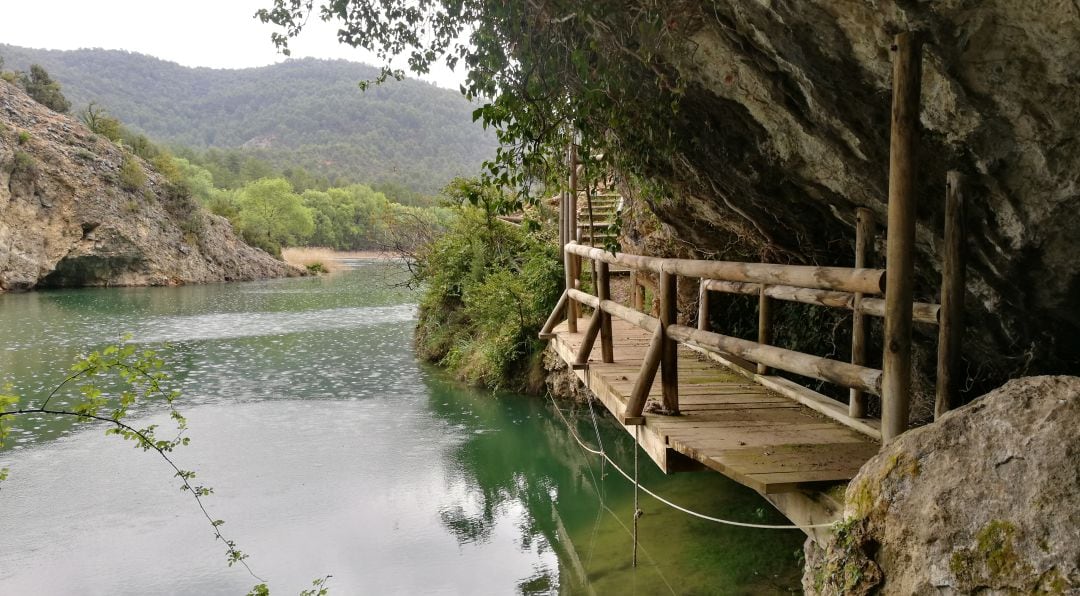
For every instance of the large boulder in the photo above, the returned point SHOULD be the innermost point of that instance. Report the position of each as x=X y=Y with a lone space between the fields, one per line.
x=983 y=501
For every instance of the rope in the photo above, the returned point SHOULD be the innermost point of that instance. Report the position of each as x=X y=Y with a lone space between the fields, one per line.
x=652 y=494
x=637 y=486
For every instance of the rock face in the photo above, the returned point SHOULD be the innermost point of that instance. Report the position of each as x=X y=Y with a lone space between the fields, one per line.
x=783 y=131
x=68 y=218
x=984 y=501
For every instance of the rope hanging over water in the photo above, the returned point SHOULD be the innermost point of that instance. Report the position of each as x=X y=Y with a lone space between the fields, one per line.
x=602 y=452
x=637 y=486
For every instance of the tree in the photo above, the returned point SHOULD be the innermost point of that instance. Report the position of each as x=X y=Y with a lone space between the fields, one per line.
x=549 y=72
x=135 y=377
x=40 y=86
x=111 y=382
x=100 y=122
x=272 y=215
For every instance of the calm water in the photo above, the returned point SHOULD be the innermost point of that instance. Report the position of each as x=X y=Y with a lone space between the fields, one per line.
x=333 y=451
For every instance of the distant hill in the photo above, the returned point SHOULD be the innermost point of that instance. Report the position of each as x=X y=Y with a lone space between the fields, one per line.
x=301 y=112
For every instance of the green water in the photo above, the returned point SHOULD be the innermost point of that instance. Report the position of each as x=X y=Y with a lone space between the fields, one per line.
x=333 y=451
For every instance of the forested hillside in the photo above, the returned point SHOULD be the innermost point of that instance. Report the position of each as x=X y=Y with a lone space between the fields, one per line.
x=308 y=113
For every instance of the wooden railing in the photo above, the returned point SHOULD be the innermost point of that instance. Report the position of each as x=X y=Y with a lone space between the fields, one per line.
x=827 y=283
x=836 y=287
x=852 y=288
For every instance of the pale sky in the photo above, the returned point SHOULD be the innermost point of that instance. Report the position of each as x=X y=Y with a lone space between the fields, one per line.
x=214 y=33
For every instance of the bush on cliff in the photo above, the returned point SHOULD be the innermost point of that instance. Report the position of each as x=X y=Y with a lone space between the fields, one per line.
x=489 y=288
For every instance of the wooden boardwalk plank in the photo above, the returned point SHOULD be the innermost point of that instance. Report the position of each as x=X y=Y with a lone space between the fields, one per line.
x=762 y=439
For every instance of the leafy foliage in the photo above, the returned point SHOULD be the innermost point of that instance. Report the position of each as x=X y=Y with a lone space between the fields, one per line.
x=489 y=288
x=111 y=383
x=302 y=113
x=598 y=73
x=40 y=86
x=272 y=215
x=132 y=175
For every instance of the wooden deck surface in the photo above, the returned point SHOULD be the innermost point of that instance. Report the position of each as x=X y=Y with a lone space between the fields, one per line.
x=735 y=426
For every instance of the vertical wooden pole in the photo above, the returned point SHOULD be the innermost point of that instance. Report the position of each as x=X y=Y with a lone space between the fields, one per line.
x=896 y=382
x=702 y=306
x=572 y=305
x=639 y=293
x=562 y=220
x=864 y=245
x=764 y=332
x=573 y=264
x=669 y=365
x=951 y=324
x=603 y=291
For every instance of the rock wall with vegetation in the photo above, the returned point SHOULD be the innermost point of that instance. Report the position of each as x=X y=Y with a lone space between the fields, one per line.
x=77 y=210
x=983 y=501
x=782 y=131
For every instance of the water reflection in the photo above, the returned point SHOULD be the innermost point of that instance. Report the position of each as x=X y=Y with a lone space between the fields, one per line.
x=333 y=451
x=582 y=510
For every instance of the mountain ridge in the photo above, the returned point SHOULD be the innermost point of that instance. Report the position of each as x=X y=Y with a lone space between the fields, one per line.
x=307 y=112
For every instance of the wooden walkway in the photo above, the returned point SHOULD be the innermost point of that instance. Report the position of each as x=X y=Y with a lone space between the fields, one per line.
x=763 y=440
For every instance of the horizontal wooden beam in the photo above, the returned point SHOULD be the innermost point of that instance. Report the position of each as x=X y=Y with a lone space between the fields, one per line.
x=833 y=371
x=638 y=319
x=922 y=312
x=836 y=410
x=867 y=281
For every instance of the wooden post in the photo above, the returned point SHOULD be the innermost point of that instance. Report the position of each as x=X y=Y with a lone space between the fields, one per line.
x=553 y=318
x=764 y=321
x=581 y=359
x=896 y=390
x=951 y=330
x=639 y=292
x=703 y=306
x=669 y=365
x=572 y=305
x=573 y=262
x=603 y=291
x=864 y=245
x=562 y=220
x=640 y=393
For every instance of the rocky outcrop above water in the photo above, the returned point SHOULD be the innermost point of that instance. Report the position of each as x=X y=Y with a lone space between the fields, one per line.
x=983 y=501
x=68 y=217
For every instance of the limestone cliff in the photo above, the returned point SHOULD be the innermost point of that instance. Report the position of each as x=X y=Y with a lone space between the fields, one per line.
x=68 y=219
x=782 y=132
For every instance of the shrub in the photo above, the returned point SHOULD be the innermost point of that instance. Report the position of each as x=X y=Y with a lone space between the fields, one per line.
x=24 y=137
x=40 y=86
x=24 y=164
x=489 y=288
x=132 y=175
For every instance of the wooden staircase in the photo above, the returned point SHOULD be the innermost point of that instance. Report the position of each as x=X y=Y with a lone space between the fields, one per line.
x=601 y=230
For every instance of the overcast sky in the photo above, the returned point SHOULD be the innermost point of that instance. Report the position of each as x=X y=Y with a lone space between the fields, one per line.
x=214 y=33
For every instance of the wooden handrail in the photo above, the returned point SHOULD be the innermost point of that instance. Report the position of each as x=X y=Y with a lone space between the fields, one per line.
x=922 y=312
x=846 y=279
x=808 y=365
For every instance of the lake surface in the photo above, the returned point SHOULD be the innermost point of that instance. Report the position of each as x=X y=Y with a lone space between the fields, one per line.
x=332 y=450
